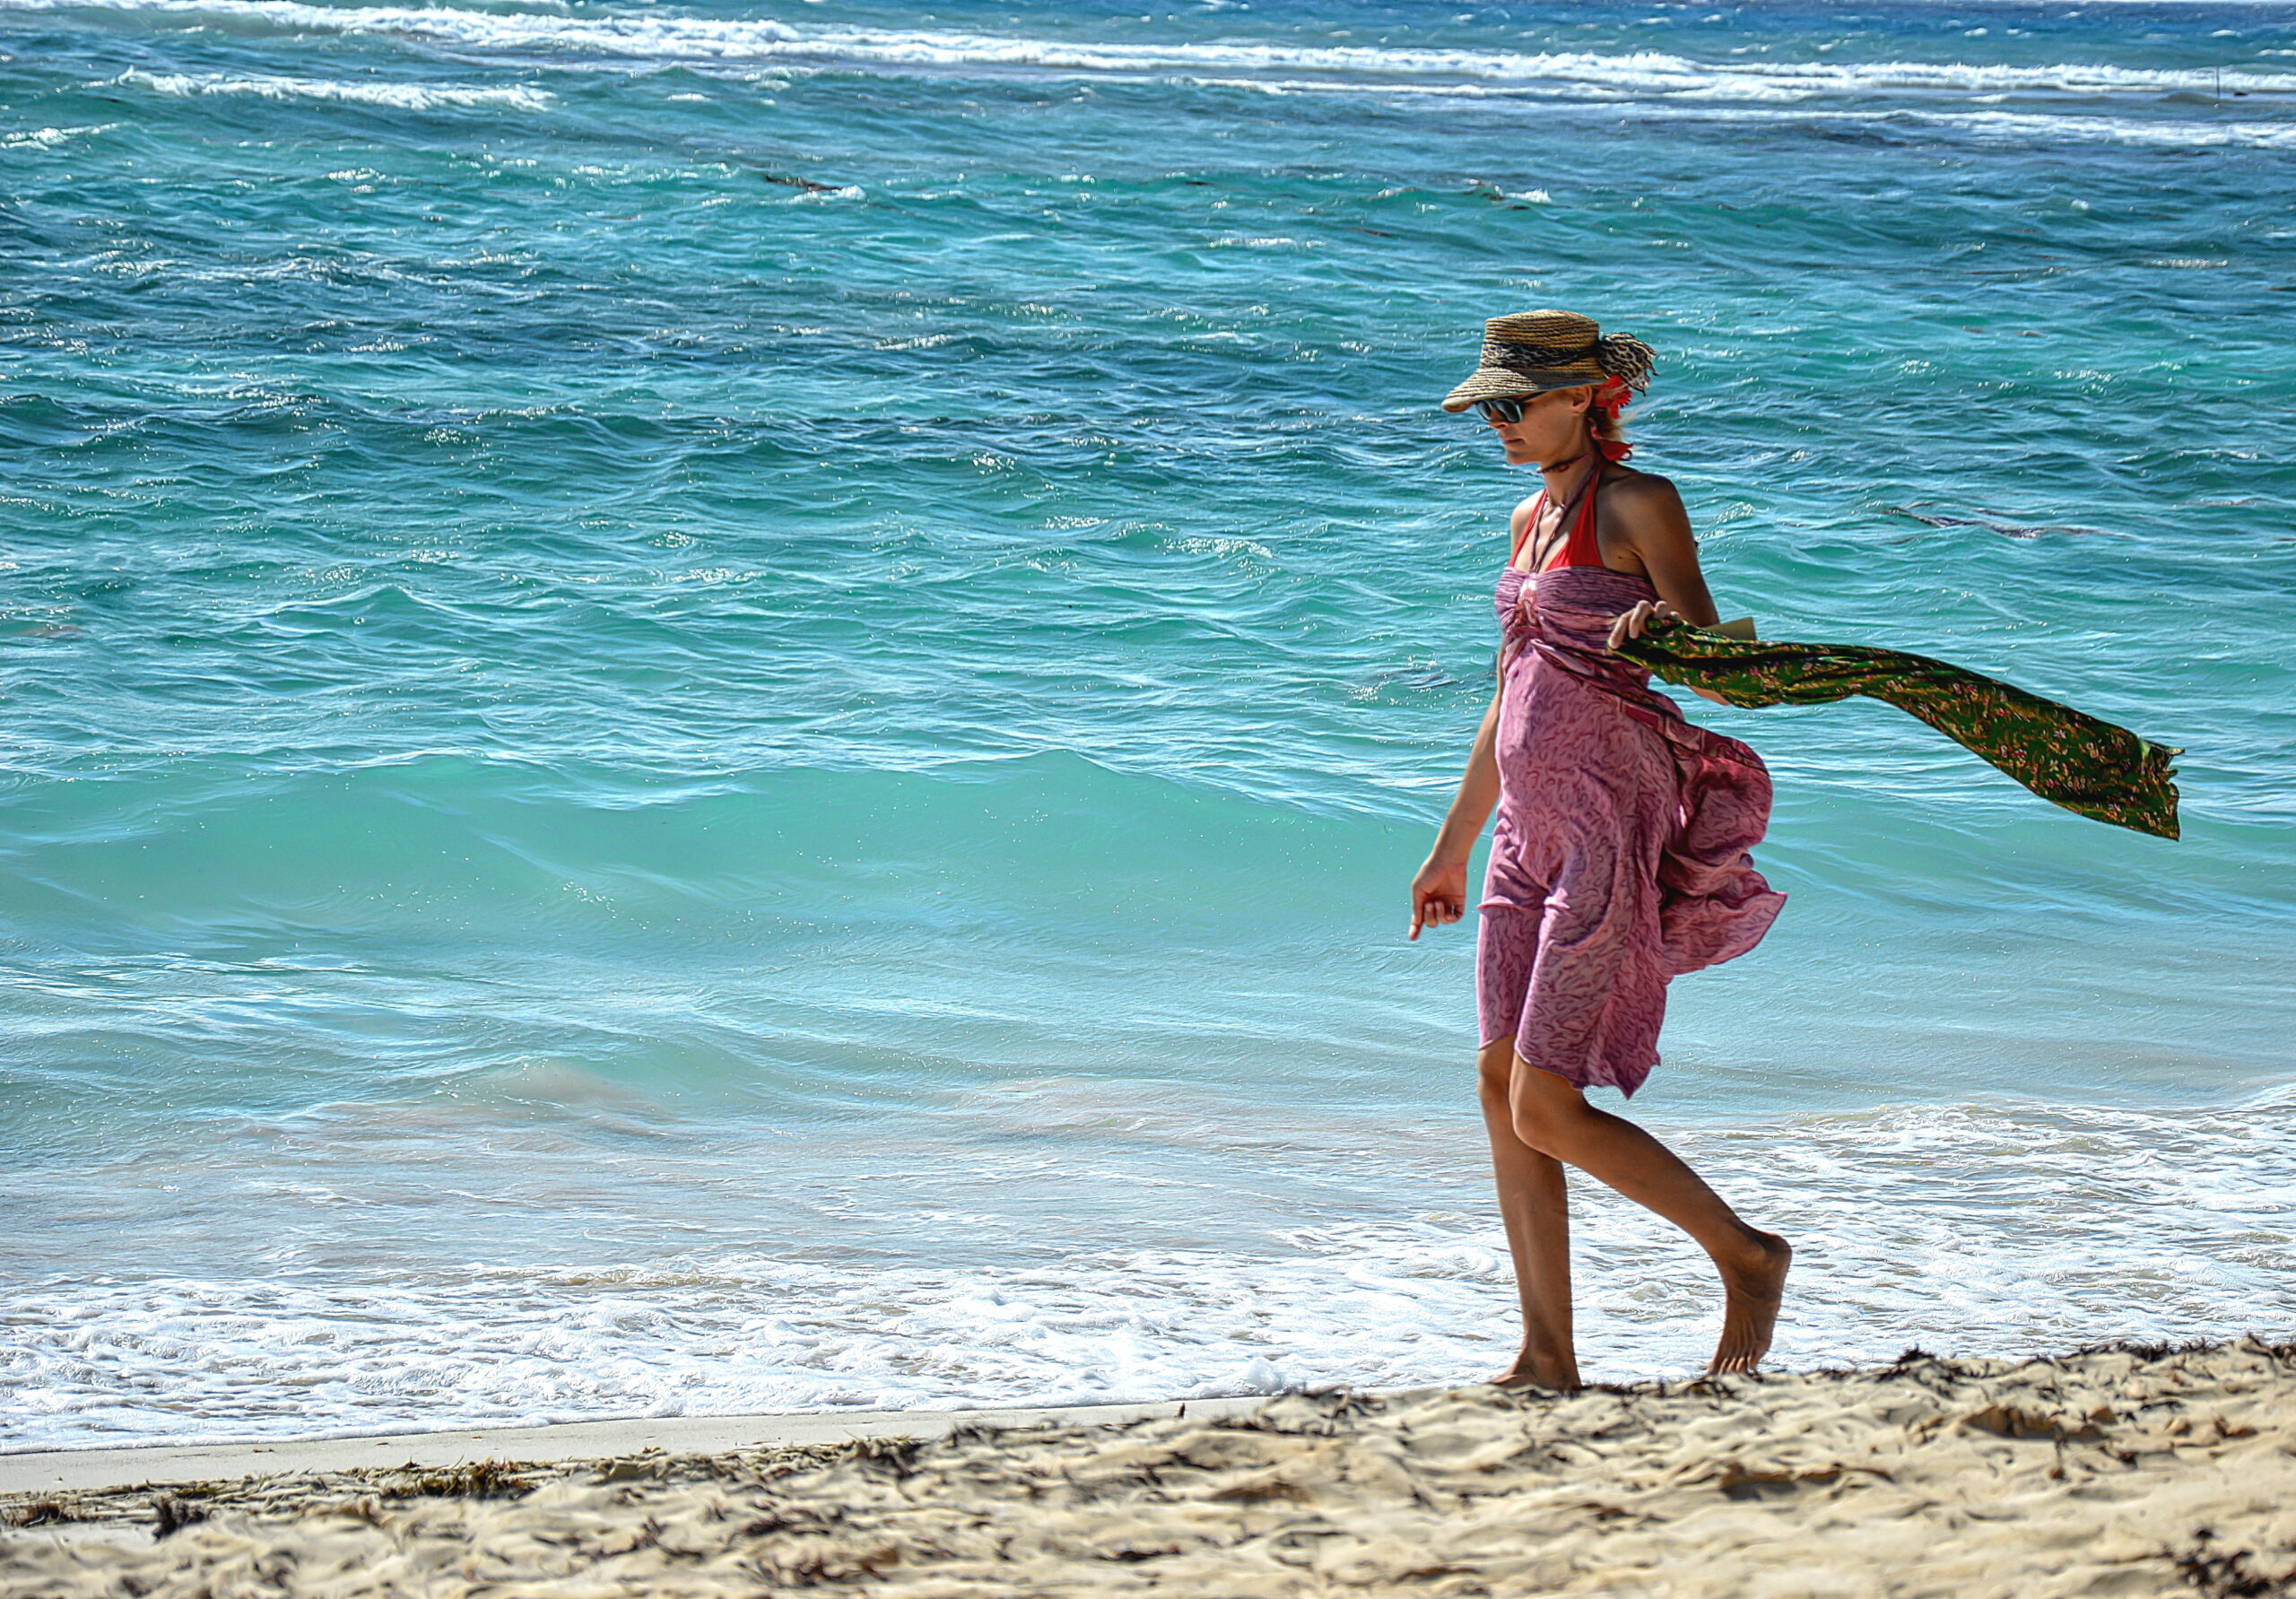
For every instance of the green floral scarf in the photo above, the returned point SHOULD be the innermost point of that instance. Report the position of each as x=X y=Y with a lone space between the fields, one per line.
x=2060 y=753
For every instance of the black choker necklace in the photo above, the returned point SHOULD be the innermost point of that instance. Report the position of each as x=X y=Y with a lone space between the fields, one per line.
x=1559 y=465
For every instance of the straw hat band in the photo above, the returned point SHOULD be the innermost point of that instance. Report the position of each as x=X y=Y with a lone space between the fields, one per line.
x=1535 y=358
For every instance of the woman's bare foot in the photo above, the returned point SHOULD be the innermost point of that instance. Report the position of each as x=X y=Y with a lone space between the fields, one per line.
x=1529 y=1372
x=1752 y=1288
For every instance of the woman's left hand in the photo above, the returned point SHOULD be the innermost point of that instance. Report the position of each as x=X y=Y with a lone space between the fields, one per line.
x=1630 y=623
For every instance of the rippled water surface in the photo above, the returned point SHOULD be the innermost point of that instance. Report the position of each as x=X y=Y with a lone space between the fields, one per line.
x=723 y=707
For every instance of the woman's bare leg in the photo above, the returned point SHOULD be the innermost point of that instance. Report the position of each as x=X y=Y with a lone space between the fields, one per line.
x=1535 y=1207
x=1553 y=1118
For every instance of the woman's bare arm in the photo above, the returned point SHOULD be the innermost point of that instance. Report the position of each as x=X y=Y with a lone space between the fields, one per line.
x=1438 y=894
x=1658 y=529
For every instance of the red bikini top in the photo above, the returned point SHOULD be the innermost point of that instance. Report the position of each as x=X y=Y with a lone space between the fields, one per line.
x=1580 y=548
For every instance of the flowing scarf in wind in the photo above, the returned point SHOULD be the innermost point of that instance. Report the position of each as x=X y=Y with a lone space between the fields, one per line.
x=2064 y=755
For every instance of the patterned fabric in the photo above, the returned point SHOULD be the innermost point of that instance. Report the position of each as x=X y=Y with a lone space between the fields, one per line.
x=1618 y=861
x=2060 y=753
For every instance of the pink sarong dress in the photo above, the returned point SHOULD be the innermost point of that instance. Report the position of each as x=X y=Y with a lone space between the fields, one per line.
x=1620 y=857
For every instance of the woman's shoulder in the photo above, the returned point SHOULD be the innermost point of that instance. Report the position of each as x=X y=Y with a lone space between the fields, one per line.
x=1632 y=493
x=1631 y=483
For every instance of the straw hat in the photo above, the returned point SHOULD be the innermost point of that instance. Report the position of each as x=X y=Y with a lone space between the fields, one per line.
x=1532 y=352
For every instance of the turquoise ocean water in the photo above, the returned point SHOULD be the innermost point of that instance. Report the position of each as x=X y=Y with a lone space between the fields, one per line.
x=724 y=706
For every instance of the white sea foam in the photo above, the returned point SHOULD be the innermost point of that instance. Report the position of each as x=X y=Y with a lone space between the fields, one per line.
x=651 y=36
x=2162 y=132
x=2173 y=133
x=49 y=138
x=1966 y=1230
x=404 y=97
x=2182 y=133
x=34 y=138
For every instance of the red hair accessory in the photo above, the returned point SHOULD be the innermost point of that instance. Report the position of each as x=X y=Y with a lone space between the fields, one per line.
x=1611 y=397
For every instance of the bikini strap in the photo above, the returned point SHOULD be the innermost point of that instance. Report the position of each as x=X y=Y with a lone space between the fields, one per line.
x=1582 y=548
x=1583 y=504
x=1530 y=526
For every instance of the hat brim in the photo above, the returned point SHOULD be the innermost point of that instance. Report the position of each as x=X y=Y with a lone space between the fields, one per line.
x=1501 y=383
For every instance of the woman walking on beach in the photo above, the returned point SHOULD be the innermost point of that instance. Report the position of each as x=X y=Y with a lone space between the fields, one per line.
x=1618 y=861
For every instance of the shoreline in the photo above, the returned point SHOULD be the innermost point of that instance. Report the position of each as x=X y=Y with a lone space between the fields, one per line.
x=2131 y=1470
x=103 y=1469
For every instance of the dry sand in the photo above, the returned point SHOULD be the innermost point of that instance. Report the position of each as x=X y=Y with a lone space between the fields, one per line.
x=2122 y=1471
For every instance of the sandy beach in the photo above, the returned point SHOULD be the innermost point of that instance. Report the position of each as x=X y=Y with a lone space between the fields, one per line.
x=2123 y=1472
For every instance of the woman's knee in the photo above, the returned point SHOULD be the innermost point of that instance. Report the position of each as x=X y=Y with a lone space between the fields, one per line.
x=1546 y=1112
x=1495 y=1075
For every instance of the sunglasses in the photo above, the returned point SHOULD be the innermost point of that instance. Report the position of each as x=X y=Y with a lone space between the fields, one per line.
x=1507 y=411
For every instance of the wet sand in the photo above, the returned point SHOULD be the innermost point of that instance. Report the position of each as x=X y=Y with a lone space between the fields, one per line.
x=2120 y=1471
